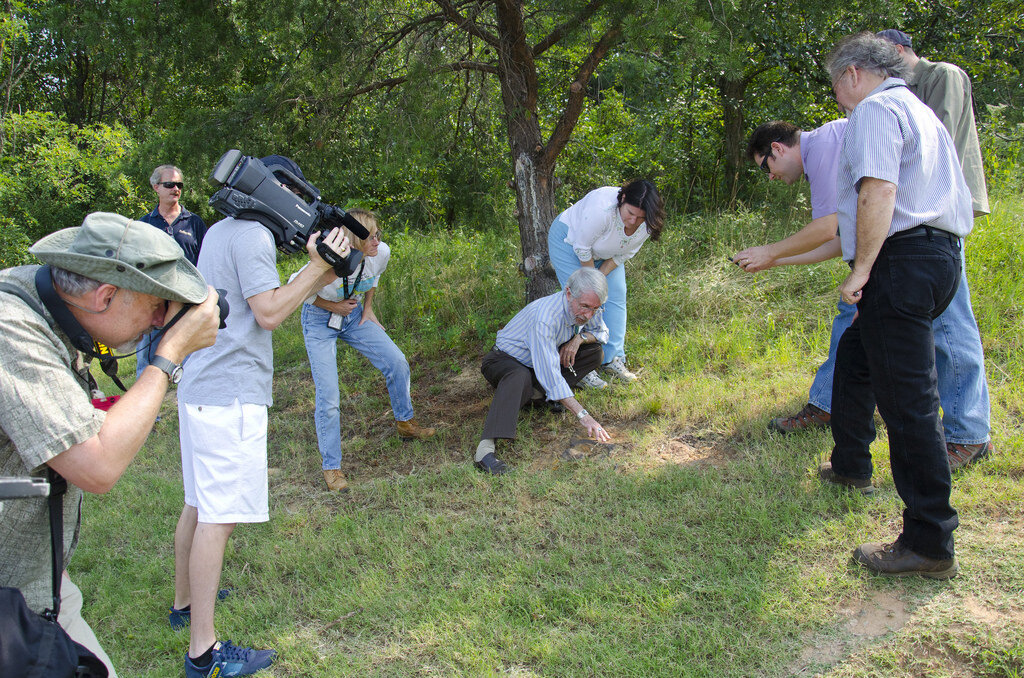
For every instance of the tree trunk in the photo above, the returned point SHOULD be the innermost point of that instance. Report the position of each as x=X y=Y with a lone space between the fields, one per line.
x=534 y=174
x=732 y=92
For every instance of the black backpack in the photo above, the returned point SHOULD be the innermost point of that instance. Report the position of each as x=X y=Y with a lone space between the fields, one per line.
x=33 y=645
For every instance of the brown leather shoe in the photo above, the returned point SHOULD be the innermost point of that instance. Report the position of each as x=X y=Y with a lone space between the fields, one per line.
x=809 y=417
x=826 y=473
x=335 y=480
x=896 y=560
x=961 y=455
x=411 y=430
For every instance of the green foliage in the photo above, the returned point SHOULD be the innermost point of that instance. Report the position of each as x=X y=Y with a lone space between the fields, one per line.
x=54 y=173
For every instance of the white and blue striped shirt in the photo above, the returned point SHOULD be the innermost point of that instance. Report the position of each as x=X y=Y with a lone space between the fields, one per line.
x=533 y=336
x=893 y=136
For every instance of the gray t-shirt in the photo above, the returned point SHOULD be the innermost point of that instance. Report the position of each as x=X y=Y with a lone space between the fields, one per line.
x=238 y=256
x=45 y=409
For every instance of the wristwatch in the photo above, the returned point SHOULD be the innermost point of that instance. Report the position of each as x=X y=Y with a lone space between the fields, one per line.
x=582 y=414
x=172 y=370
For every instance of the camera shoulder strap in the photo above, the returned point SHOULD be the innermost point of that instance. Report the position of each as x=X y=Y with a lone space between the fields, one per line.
x=58 y=487
x=80 y=339
x=359 y=276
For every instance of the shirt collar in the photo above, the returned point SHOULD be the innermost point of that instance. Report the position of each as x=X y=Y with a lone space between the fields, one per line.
x=888 y=83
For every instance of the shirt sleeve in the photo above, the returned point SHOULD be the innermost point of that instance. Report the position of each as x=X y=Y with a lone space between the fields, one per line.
x=256 y=265
x=591 y=220
x=44 y=407
x=879 y=157
x=546 y=361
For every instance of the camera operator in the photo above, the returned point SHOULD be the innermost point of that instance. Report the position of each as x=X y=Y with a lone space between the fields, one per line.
x=222 y=412
x=110 y=280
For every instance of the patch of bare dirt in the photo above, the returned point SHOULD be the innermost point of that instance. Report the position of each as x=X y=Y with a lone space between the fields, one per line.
x=881 y=613
x=688 y=449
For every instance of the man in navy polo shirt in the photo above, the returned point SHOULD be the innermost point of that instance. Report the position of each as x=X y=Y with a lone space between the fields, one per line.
x=186 y=228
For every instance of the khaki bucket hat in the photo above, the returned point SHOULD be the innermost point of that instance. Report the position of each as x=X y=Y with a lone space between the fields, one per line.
x=131 y=254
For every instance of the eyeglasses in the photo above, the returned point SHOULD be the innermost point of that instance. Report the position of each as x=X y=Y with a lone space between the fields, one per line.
x=764 y=163
x=173 y=184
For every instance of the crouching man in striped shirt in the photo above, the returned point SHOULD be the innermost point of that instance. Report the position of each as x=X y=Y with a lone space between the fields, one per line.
x=903 y=208
x=540 y=355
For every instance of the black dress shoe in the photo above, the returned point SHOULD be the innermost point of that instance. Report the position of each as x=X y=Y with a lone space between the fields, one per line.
x=491 y=464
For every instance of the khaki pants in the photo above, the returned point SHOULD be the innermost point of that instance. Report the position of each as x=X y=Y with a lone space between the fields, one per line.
x=71 y=621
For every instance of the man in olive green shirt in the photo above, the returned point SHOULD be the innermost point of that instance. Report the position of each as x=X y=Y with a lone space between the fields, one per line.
x=946 y=89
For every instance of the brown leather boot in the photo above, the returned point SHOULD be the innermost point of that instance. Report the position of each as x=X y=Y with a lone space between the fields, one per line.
x=411 y=430
x=896 y=560
x=335 y=480
x=809 y=417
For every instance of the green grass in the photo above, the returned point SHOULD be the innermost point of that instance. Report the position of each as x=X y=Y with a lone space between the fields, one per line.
x=700 y=546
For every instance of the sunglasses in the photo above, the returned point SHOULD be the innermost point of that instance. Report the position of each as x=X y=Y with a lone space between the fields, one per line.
x=764 y=164
x=173 y=184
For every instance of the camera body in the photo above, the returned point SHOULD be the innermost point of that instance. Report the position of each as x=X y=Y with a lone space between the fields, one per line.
x=287 y=205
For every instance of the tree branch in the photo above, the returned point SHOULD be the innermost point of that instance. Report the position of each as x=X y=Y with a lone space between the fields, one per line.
x=468 y=25
x=577 y=93
x=559 y=32
x=392 y=82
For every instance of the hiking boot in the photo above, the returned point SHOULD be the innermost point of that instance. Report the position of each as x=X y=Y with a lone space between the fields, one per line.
x=810 y=417
x=617 y=368
x=179 y=619
x=411 y=430
x=335 y=480
x=826 y=473
x=961 y=455
x=591 y=380
x=231 y=660
x=896 y=560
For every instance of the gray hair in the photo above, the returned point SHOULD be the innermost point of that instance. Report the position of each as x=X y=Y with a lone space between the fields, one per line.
x=158 y=174
x=587 y=279
x=73 y=283
x=866 y=51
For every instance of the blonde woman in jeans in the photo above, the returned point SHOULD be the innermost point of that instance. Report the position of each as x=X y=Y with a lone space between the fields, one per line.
x=344 y=310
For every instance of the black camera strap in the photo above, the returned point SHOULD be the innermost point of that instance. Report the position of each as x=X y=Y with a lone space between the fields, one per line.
x=359 y=276
x=80 y=339
x=58 y=488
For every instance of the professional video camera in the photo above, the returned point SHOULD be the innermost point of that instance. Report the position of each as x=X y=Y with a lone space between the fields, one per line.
x=287 y=204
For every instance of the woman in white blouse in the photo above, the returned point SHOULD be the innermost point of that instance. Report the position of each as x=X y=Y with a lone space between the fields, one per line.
x=604 y=230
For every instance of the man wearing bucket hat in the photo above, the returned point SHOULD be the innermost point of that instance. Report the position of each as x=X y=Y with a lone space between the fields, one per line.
x=222 y=414
x=110 y=280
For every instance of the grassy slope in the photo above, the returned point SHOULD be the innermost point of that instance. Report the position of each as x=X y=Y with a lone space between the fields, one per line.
x=700 y=546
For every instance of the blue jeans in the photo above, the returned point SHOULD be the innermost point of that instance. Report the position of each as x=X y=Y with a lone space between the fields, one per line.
x=565 y=262
x=959 y=361
x=372 y=341
x=887 y=357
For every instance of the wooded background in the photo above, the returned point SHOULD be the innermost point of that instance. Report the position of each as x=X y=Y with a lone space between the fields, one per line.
x=445 y=113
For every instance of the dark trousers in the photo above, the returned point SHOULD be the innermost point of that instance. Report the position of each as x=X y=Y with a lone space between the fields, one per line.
x=514 y=383
x=887 y=357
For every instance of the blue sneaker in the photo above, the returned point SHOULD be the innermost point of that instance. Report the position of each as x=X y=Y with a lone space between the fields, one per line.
x=179 y=619
x=231 y=660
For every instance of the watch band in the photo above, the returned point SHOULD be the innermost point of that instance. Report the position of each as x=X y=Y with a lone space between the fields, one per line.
x=171 y=369
x=582 y=414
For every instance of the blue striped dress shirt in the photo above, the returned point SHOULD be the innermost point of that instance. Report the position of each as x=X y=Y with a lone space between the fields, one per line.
x=893 y=136
x=533 y=336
